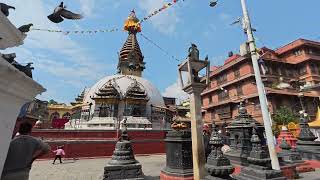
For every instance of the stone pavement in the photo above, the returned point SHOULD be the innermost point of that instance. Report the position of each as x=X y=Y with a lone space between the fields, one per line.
x=90 y=169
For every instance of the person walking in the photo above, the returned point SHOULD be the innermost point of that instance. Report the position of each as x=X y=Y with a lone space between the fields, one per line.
x=23 y=150
x=59 y=153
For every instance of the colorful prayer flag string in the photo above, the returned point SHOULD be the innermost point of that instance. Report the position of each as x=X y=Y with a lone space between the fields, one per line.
x=77 y=32
x=153 y=43
x=155 y=12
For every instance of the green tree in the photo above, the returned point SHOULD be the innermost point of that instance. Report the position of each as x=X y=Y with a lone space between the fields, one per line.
x=283 y=116
x=51 y=101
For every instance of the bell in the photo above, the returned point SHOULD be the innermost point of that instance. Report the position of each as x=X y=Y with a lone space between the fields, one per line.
x=213 y=3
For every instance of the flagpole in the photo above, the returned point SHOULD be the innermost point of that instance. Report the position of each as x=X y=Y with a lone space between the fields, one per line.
x=260 y=87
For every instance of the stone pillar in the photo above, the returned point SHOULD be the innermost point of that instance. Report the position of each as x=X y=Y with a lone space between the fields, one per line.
x=259 y=163
x=16 y=89
x=196 y=129
x=179 y=156
x=123 y=165
x=218 y=166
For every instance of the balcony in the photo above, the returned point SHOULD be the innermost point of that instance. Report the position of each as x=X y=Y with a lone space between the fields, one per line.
x=227 y=83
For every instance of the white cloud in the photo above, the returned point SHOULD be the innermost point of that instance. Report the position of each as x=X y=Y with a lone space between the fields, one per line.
x=166 y=20
x=76 y=64
x=87 y=7
x=174 y=90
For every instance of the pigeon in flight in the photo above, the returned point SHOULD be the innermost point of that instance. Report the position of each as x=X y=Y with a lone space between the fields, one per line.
x=60 y=12
x=5 y=8
x=25 y=28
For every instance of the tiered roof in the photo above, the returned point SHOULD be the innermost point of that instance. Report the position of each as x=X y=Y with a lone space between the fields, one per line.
x=136 y=92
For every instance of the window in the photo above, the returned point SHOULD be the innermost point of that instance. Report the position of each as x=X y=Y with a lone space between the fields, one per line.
x=222 y=78
x=303 y=70
x=210 y=99
x=108 y=110
x=222 y=95
x=213 y=115
x=239 y=90
x=297 y=52
x=66 y=115
x=224 y=112
x=236 y=73
x=314 y=68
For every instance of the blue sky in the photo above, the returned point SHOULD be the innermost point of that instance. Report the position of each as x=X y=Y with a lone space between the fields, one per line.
x=64 y=65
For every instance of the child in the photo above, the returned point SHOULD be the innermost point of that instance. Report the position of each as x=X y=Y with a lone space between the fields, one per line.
x=59 y=152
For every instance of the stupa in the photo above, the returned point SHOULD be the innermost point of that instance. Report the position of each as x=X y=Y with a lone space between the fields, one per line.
x=306 y=145
x=260 y=163
x=123 y=165
x=240 y=131
x=126 y=94
x=218 y=166
x=288 y=136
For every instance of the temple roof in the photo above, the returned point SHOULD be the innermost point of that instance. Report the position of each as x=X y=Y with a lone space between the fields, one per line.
x=136 y=92
x=108 y=91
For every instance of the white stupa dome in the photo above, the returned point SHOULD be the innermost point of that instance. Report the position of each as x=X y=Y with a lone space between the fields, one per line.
x=123 y=82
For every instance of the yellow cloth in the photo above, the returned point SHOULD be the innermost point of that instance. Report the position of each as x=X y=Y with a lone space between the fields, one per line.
x=316 y=123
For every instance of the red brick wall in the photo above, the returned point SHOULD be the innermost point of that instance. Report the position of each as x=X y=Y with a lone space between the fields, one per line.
x=96 y=149
x=85 y=143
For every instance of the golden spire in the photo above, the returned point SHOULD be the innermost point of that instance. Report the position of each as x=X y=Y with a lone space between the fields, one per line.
x=132 y=24
x=131 y=57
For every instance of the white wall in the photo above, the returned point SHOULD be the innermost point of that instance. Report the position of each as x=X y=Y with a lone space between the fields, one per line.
x=15 y=90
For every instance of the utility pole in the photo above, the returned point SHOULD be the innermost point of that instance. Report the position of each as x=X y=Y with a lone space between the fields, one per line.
x=260 y=86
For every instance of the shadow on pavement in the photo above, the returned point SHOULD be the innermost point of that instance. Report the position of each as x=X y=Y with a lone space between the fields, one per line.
x=152 y=177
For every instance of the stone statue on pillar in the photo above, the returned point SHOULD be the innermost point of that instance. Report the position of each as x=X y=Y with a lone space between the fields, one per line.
x=193 y=52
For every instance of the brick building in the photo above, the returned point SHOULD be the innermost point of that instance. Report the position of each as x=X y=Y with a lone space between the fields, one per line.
x=284 y=72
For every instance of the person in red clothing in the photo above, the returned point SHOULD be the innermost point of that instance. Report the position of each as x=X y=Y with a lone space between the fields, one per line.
x=59 y=153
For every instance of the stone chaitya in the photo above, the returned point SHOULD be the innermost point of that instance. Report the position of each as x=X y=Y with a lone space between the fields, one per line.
x=218 y=166
x=123 y=164
x=240 y=131
x=306 y=145
x=288 y=155
x=259 y=163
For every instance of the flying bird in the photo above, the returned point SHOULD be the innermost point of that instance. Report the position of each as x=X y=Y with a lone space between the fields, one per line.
x=213 y=3
x=5 y=8
x=25 y=28
x=236 y=21
x=60 y=12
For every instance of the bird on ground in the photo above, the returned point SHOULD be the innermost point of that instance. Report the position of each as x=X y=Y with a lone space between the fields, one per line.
x=5 y=8
x=25 y=28
x=60 y=12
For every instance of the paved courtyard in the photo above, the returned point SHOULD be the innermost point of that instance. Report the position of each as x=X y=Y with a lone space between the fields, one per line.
x=90 y=169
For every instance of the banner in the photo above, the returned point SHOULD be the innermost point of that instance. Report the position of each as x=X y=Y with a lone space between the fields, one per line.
x=77 y=32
